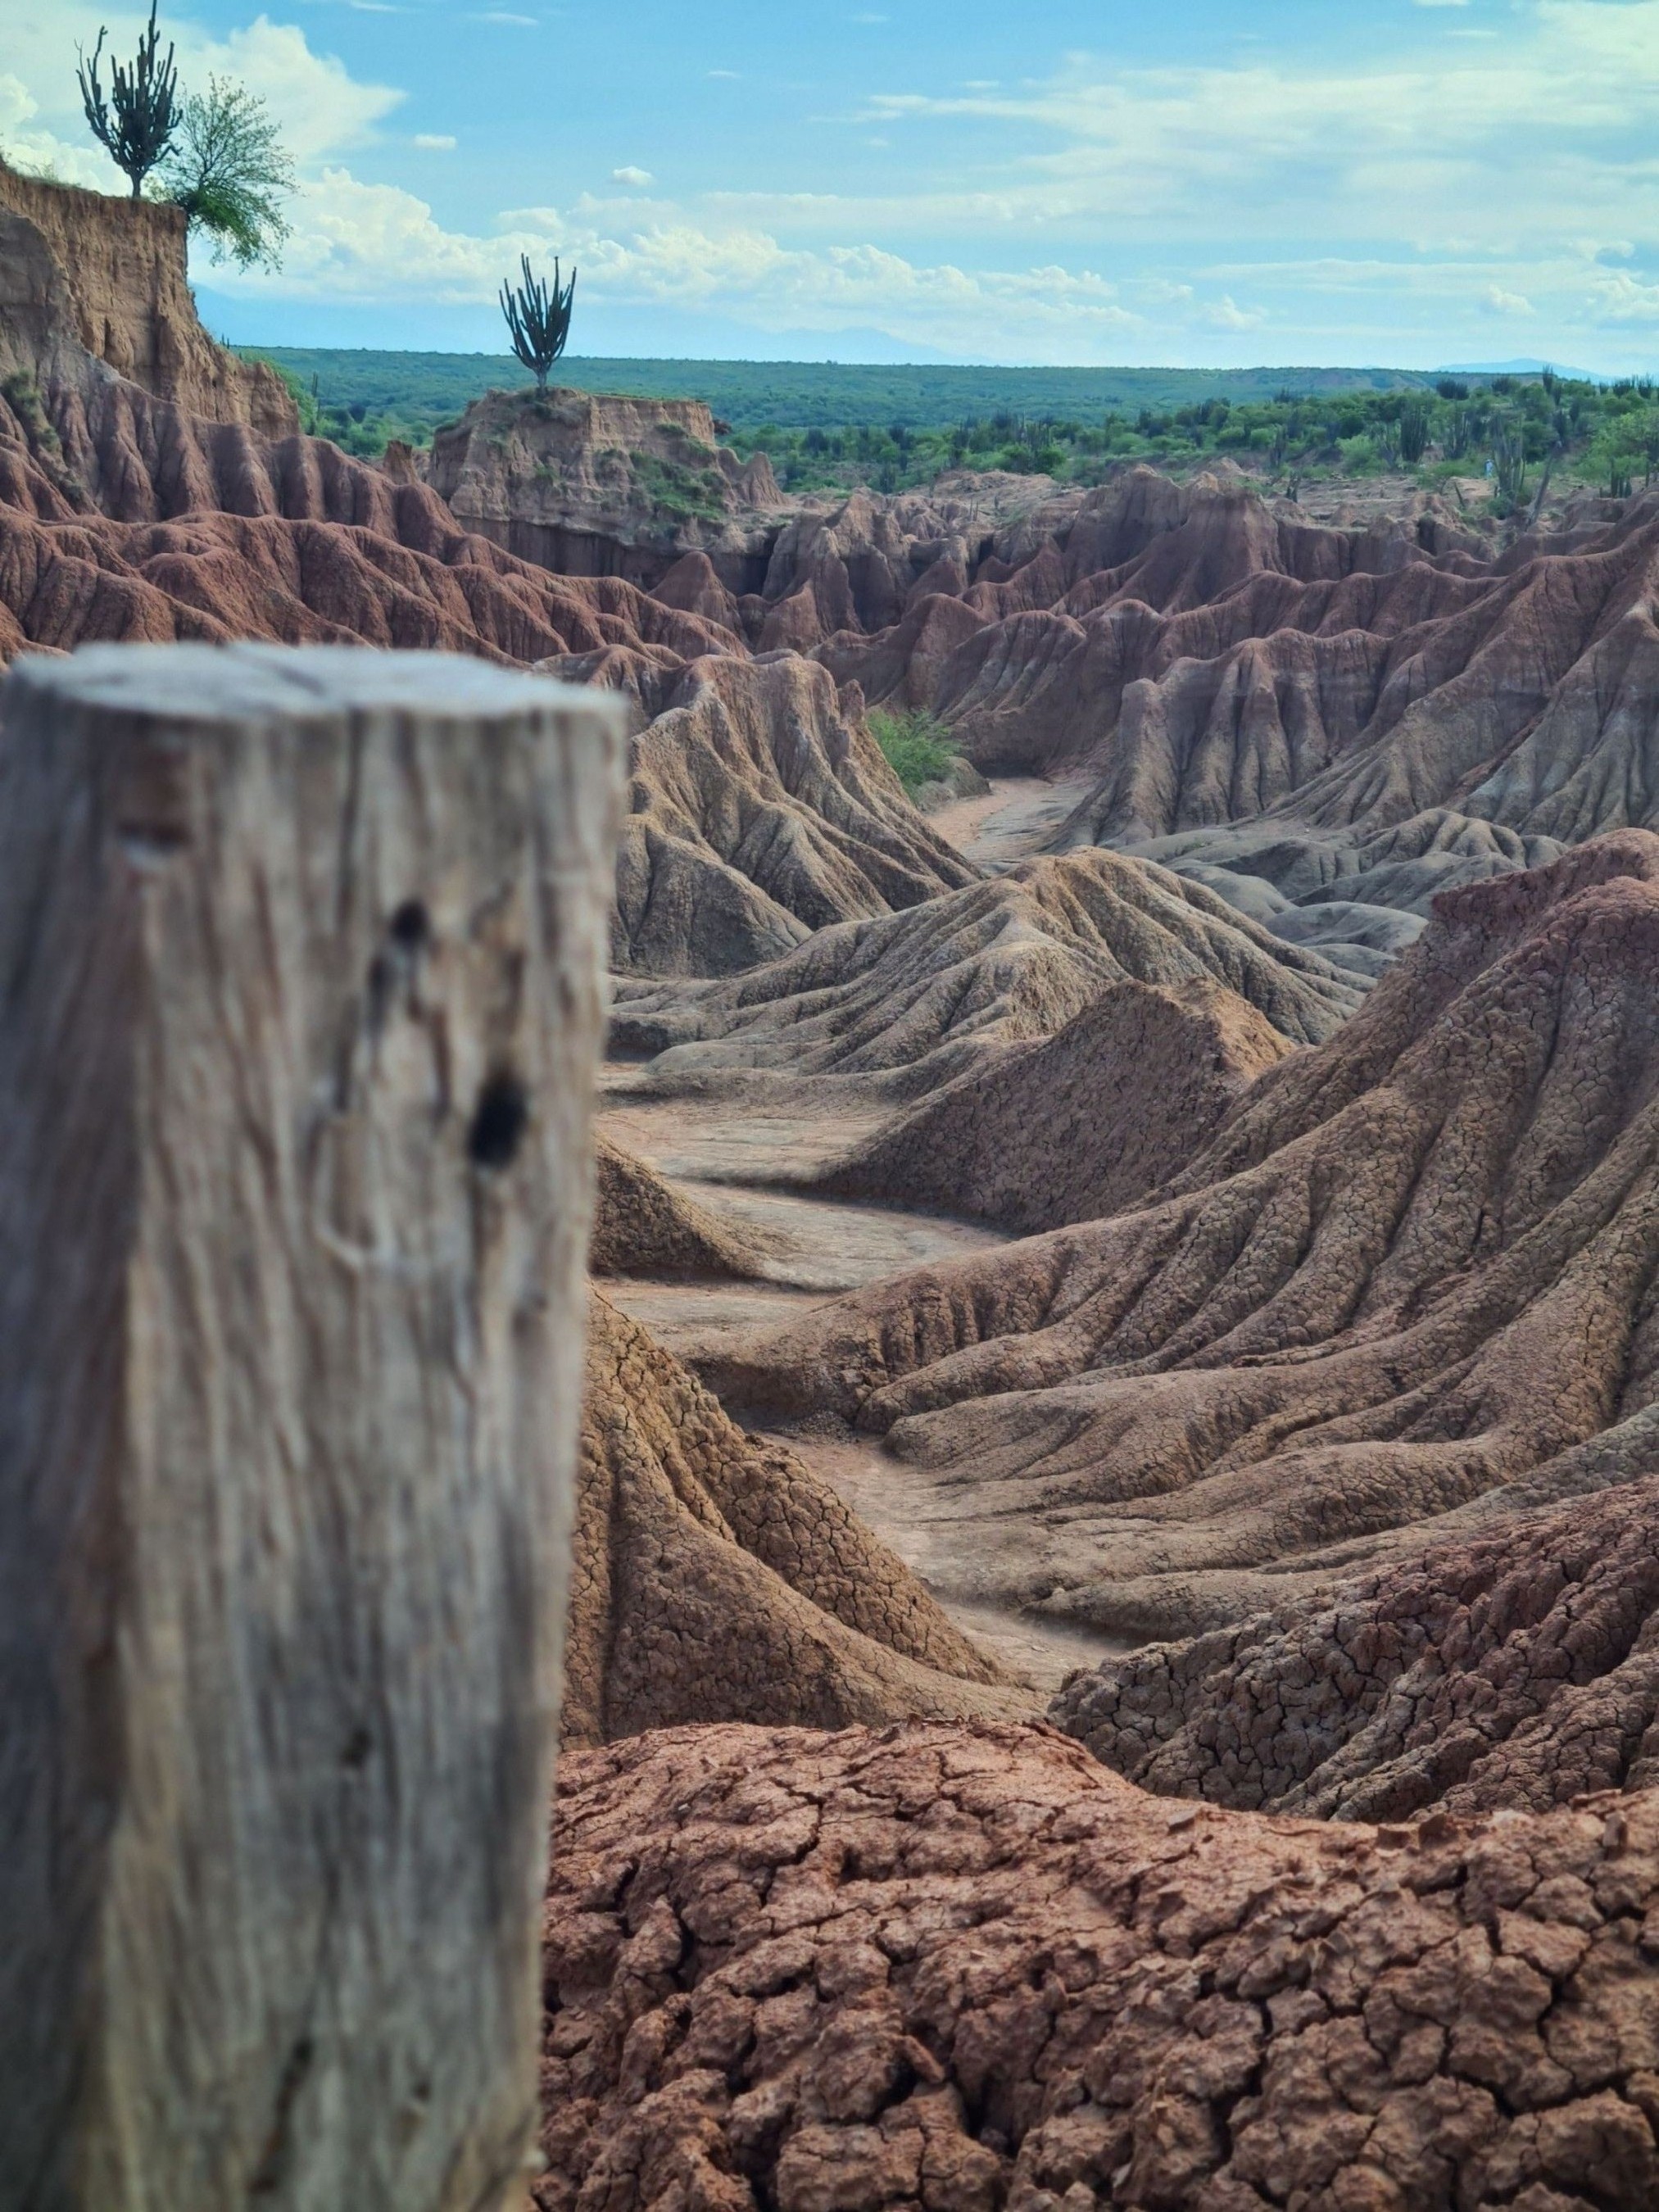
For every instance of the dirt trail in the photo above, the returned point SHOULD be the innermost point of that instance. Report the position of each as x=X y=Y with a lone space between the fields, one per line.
x=723 y=1156
x=818 y=1248
x=1014 y=819
x=725 y=1153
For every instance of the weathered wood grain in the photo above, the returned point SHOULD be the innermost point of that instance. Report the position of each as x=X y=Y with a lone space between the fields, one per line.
x=301 y=994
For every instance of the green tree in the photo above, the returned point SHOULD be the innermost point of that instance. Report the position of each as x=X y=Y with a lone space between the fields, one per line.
x=135 y=125
x=229 y=172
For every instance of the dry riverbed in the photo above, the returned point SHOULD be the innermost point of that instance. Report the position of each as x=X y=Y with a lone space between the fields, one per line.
x=729 y=1156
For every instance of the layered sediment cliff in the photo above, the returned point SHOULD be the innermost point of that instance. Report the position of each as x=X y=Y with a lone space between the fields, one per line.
x=593 y=484
x=87 y=279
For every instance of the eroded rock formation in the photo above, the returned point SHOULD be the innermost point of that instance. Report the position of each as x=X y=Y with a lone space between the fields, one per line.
x=1078 y=1124
x=967 y=1967
x=1211 y=657
x=916 y=997
x=761 y=809
x=594 y=484
x=91 y=284
x=123 y=519
x=642 y=1225
x=1412 y=1266
x=1517 y=1665
x=715 y=1578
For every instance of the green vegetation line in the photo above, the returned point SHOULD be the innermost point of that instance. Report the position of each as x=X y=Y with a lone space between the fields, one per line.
x=828 y=426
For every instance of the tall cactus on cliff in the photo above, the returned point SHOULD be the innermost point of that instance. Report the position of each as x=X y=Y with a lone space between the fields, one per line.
x=538 y=319
x=135 y=125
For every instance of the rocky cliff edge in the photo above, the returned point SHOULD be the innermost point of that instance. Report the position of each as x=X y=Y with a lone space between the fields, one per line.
x=90 y=284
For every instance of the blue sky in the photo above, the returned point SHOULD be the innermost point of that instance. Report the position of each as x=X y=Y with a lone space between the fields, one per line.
x=1414 y=182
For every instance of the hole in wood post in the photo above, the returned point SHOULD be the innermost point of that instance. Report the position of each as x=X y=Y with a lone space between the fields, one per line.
x=498 y=1121
x=409 y=931
x=410 y=927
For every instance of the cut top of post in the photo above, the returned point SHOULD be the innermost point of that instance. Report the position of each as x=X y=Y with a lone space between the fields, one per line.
x=191 y=682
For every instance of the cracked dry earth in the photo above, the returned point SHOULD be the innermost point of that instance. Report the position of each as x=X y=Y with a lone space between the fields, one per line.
x=1516 y=1665
x=963 y=1967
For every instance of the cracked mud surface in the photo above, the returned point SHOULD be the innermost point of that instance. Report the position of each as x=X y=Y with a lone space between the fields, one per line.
x=1517 y=1665
x=962 y=1967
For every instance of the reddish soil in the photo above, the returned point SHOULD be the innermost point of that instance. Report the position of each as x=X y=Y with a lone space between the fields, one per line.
x=960 y=1968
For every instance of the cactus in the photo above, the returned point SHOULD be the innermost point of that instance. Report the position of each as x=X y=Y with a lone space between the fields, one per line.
x=538 y=319
x=144 y=100
x=1509 y=465
x=1415 y=417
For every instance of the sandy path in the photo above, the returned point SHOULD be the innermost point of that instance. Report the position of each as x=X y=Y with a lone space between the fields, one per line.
x=1015 y=819
x=723 y=1156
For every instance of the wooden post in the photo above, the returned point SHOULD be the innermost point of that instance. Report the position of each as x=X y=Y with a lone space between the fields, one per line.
x=301 y=995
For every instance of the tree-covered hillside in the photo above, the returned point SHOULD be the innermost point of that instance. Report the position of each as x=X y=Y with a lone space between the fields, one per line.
x=418 y=391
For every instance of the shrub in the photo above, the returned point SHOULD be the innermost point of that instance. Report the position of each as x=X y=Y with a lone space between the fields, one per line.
x=673 y=488
x=228 y=173
x=915 y=744
x=22 y=394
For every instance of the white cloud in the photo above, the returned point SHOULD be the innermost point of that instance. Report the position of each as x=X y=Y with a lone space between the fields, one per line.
x=363 y=242
x=1226 y=315
x=30 y=146
x=322 y=109
x=1620 y=298
x=1450 y=186
x=1513 y=145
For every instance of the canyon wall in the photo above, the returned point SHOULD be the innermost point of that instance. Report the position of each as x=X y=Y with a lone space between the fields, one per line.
x=594 y=484
x=86 y=270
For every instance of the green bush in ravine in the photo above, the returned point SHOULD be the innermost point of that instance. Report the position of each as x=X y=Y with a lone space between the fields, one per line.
x=916 y=745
